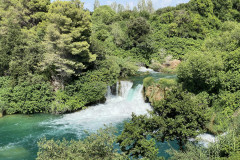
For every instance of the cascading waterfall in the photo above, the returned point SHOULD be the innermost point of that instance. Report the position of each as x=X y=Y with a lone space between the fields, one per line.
x=19 y=134
x=114 y=111
x=125 y=87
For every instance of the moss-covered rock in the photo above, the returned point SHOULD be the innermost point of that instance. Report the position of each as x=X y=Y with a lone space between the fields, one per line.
x=166 y=67
x=155 y=90
x=154 y=93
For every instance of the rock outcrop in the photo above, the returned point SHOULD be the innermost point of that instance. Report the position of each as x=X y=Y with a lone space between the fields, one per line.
x=154 y=93
x=171 y=64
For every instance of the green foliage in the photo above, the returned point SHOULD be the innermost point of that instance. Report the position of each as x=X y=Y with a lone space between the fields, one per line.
x=179 y=116
x=103 y=14
x=148 y=81
x=222 y=9
x=117 y=66
x=191 y=152
x=200 y=72
x=225 y=147
x=91 y=86
x=204 y=7
x=226 y=144
x=98 y=146
x=137 y=30
x=167 y=83
x=135 y=142
x=29 y=96
x=67 y=39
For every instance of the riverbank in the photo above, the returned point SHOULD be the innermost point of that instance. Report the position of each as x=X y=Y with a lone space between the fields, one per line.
x=20 y=133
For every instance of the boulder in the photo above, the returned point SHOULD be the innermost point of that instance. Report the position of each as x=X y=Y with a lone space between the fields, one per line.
x=171 y=64
x=154 y=93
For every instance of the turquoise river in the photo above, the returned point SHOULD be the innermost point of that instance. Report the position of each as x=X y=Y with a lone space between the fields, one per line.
x=19 y=134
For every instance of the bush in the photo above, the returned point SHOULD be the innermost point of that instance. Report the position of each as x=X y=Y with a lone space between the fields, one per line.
x=148 y=81
x=167 y=83
x=30 y=96
x=97 y=146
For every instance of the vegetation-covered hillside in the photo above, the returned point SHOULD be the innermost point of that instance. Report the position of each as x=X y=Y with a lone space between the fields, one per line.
x=58 y=57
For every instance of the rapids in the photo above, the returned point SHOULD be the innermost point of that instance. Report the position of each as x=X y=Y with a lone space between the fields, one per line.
x=19 y=134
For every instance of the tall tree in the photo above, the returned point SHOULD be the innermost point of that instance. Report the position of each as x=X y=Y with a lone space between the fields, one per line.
x=114 y=6
x=141 y=5
x=138 y=29
x=127 y=7
x=120 y=8
x=66 y=40
x=150 y=8
x=96 y=4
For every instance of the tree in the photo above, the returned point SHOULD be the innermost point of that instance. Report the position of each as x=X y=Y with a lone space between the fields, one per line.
x=150 y=8
x=20 y=45
x=30 y=95
x=120 y=8
x=141 y=5
x=138 y=29
x=204 y=7
x=127 y=7
x=98 y=146
x=103 y=15
x=223 y=9
x=134 y=140
x=96 y=4
x=180 y=116
x=200 y=72
x=66 y=41
x=114 y=6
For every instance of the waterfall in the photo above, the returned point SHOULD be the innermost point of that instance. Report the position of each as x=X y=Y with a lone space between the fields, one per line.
x=114 y=111
x=125 y=87
x=109 y=93
x=144 y=69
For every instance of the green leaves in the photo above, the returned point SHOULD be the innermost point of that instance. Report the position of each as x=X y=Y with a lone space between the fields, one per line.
x=180 y=116
x=134 y=140
x=200 y=72
x=67 y=40
x=31 y=96
x=97 y=146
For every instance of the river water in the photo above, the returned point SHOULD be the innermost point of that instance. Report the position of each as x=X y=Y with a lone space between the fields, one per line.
x=19 y=134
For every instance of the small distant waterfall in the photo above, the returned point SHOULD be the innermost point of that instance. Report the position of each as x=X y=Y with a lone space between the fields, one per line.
x=121 y=88
x=116 y=109
x=109 y=92
x=144 y=69
x=125 y=87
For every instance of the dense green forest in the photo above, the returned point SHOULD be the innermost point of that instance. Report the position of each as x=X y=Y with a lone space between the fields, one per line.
x=57 y=57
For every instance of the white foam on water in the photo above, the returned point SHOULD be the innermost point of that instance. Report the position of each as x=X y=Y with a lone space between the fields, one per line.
x=144 y=69
x=125 y=88
x=114 y=111
x=205 y=139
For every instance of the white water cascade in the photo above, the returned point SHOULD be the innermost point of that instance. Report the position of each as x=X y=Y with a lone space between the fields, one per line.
x=144 y=69
x=115 y=110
